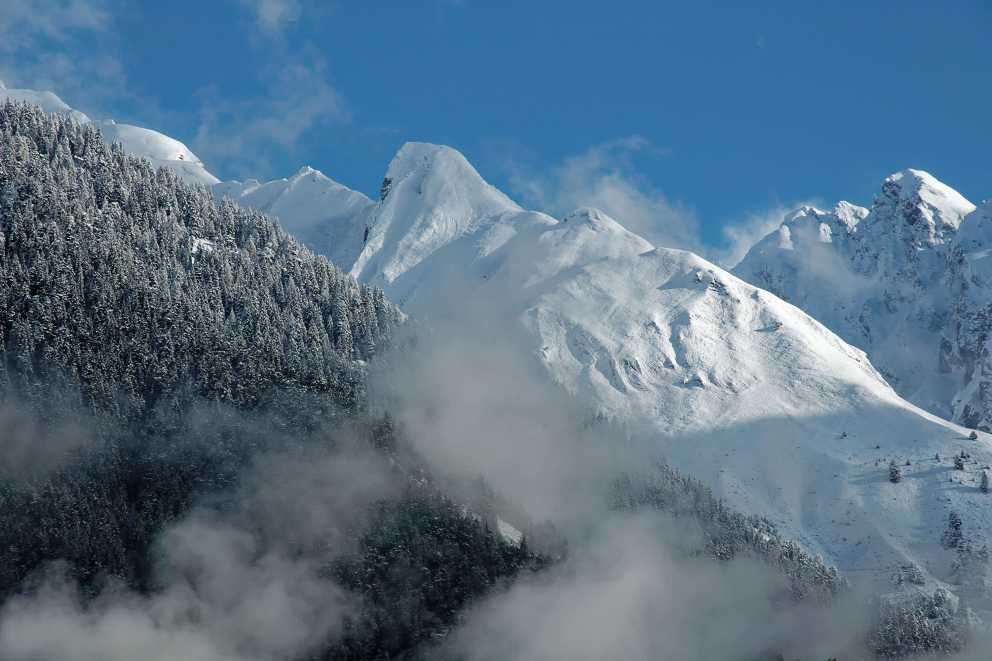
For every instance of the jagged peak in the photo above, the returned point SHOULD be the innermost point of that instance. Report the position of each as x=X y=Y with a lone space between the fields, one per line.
x=814 y=225
x=850 y=214
x=803 y=213
x=306 y=169
x=917 y=194
x=844 y=213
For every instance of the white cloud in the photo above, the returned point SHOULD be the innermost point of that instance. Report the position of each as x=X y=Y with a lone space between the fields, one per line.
x=241 y=137
x=604 y=177
x=24 y=22
x=632 y=590
x=242 y=582
x=63 y=46
x=272 y=16
x=740 y=235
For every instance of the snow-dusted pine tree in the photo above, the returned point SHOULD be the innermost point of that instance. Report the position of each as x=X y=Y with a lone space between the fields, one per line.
x=895 y=473
x=952 y=536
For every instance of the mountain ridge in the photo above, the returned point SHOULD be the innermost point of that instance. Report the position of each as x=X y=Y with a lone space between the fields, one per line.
x=900 y=285
x=681 y=347
x=157 y=147
x=728 y=377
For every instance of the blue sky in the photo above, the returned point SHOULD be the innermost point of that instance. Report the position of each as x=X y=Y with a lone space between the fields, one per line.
x=688 y=118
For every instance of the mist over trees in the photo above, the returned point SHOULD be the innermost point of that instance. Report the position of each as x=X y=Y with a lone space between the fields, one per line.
x=188 y=435
x=166 y=348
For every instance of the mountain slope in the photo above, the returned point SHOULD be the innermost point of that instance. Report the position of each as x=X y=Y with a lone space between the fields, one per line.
x=186 y=453
x=130 y=252
x=160 y=149
x=319 y=211
x=194 y=355
x=763 y=404
x=430 y=196
x=899 y=284
x=769 y=407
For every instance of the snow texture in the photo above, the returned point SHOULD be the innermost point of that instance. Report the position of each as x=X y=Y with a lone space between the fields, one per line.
x=741 y=389
x=160 y=149
x=739 y=383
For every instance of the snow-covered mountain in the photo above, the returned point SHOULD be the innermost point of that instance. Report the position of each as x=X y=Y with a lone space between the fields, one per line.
x=906 y=281
x=740 y=388
x=316 y=209
x=160 y=149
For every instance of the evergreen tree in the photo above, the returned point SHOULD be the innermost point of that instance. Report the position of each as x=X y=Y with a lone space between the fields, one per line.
x=142 y=289
x=193 y=338
x=895 y=473
x=953 y=535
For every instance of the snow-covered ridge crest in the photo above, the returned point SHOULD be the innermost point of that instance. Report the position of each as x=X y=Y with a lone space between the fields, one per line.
x=326 y=215
x=430 y=196
x=904 y=285
x=936 y=204
x=158 y=148
x=738 y=387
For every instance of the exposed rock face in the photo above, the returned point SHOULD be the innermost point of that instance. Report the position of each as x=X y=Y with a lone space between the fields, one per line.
x=907 y=281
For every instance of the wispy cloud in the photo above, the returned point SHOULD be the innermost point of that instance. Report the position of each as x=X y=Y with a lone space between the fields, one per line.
x=243 y=137
x=25 y=22
x=272 y=16
x=740 y=235
x=64 y=46
x=242 y=582
x=604 y=176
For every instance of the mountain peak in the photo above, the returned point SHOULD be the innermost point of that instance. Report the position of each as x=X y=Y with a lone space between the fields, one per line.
x=417 y=155
x=47 y=101
x=158 y=148
x=921 y=199
x=305 y=170
x=844 y=213
x=850 y=214
x=431 y=195
x=441 y=172
x=590 y=215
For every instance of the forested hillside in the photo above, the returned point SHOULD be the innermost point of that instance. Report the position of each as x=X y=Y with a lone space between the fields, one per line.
x=190 y=466
x=160 y=353
x=144 y=292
